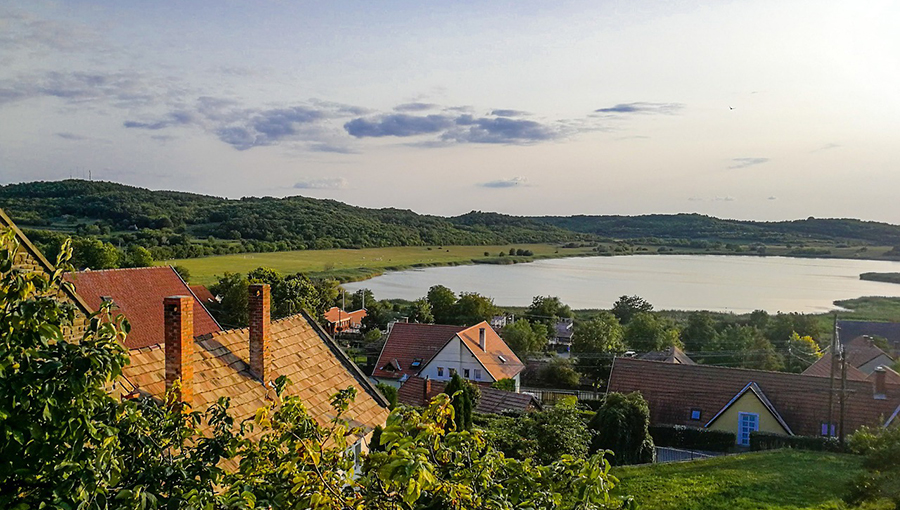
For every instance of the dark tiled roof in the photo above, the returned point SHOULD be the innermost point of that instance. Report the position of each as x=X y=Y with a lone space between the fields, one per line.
x=673 y=390
x=138 y=294
x=822 y=368
x=671 y=355
x=407 y=342
x=298 y=350
x=494 y=401
x=850 y=330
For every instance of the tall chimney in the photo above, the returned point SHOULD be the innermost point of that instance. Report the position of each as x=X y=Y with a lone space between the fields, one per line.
x=259 y=303
x=427 y=389
x=178 y=315
x=880 y=384
x=481 y=339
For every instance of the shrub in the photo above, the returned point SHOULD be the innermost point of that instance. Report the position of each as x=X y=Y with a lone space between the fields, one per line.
x=768 y=441
x=389 y=392
x=692 y=438
x=621 y=425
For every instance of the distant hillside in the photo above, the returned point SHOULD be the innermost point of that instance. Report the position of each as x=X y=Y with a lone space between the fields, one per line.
x=178 y=225
x=697 y=226
x=175 y=224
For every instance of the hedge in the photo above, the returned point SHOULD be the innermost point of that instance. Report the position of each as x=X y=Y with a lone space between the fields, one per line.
x=692 y=438
x=769 y=441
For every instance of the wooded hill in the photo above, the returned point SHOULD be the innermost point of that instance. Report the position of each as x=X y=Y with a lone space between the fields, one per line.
x=176 y=224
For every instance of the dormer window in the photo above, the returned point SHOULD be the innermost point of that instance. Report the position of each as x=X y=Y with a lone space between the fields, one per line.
x=416 y=363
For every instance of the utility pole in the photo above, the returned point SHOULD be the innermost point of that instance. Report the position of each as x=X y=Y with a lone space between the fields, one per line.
x=843 y=393
x=834 y=343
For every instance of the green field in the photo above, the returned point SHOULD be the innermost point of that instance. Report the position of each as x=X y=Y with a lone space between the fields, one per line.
x=347 y=265
x=781 y=480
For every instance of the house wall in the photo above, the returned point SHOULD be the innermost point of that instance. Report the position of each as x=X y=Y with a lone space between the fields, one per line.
x=748 y=403
x=457 y=356
x=880 y=361
x=390 y=382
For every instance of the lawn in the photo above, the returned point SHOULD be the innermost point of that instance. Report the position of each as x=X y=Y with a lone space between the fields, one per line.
x=348 y=265
x=784 y=479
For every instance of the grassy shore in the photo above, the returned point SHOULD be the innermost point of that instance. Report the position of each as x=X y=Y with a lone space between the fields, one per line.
x=353 y=265
x=777 y=480
x=881 y=277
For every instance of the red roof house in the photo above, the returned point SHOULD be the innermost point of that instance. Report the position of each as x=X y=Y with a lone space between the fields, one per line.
x=138 y=294
x=437 y=351
x=694 y=394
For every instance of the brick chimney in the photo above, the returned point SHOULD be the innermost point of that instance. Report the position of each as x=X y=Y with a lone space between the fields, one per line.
x=427 y=389
x=880 y=384
x=178 y=315
x=482 y=341
x=259 y=304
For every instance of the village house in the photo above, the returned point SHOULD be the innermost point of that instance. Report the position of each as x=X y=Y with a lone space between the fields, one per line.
x=417 y=392
x=742 y=400
x=890 y=331
x=436 y=351
x=340 y=321
x=177 y=339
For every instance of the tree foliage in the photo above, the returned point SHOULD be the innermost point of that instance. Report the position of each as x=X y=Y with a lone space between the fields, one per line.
x=525 y=338
x=622 y=426
x=65 y=443
x=626 y=307
x=442 y=301
x=595 y=343
x=647 y=332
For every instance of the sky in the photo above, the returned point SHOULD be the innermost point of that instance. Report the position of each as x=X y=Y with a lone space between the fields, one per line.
x=763 y=110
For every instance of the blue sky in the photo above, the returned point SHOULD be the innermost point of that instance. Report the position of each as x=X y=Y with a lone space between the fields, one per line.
x=753 y=109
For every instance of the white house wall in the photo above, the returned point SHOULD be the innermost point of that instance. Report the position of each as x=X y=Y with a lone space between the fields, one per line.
x=457 y=356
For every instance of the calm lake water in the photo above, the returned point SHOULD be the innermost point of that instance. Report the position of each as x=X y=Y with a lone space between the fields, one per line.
x=685 y=282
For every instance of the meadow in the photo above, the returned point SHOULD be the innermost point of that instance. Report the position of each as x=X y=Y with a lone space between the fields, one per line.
x=351 y=265
x=775 y=480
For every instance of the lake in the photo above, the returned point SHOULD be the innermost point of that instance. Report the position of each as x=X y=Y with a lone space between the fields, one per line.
x=684 y=282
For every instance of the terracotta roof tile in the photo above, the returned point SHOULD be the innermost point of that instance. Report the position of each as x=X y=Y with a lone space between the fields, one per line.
x=407 y=342
x=202 y=293
x=673 y=390
x=314 y=364
x=138 y=294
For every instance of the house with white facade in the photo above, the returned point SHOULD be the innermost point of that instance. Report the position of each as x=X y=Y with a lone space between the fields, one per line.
x=436 y=352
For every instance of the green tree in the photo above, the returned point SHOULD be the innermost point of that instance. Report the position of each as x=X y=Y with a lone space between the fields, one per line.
x=420 y=311
x=231 y=310
x=505 y=384
x=626 y=307
x=547 y=310
x=559 y=373
x=472 y=308
x=783 y=325
x=464 y=398
x=137 y=256
x=360 y=299
x=802 y=352
x=700 y=331
x=622 y=426
x=880 y=483
x=92 y=253
x=595 y=343
x=183 y=272
x=525 y=338
x=442 y=301
x=648 y=332
x=389 y=392
x=558 y=431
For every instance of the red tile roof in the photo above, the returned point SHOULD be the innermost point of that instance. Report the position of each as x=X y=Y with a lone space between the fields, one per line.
x=409 y=341
x=673 y=390
x=138 y=294
x=299 y=350
x=497 y=358
x=202 y=293
x=412 y=393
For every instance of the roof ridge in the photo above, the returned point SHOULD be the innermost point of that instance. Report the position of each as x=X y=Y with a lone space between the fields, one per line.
x=113 y=269
x=703 y=366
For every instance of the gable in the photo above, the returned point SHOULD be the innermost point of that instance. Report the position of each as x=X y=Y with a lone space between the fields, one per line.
x=750 y=400
x=408 y=342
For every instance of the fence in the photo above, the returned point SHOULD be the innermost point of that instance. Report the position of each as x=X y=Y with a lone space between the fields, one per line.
x=551 y=395
x=665 y=454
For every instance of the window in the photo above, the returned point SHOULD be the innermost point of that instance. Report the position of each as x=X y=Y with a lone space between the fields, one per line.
x=416 y=363
x=440 y=371
x=695 y=414
x=478 y=374
x=466 y=373
x=826 y=432
x=747 y=423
